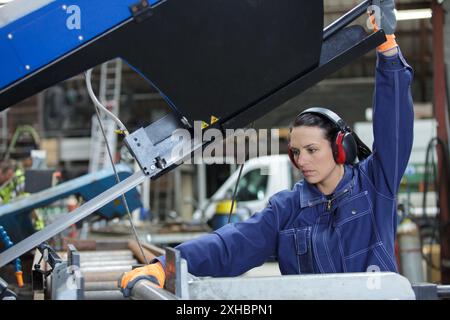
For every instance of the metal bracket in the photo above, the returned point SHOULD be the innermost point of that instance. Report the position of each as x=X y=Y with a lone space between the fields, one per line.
x=152 y=146
x=49 y=255
x=67 y=281
x=141 y=11
x=73 y=256
x=176 y=274
x=173 y=280
x=431 y=291
x=39 y=276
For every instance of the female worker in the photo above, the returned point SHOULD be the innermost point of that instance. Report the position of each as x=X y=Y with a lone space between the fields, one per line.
x=342 y=216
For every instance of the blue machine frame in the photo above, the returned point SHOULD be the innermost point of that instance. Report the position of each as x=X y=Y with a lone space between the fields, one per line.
x=55 y=27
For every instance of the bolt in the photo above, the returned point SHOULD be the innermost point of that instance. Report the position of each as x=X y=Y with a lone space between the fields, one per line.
x=186 y=122
x=10 y=36
x=64 y=7
x=80 y=38
x=152 y=167
x=27 y=67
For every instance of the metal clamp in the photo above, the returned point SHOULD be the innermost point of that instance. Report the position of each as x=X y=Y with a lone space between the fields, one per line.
x=67 y=280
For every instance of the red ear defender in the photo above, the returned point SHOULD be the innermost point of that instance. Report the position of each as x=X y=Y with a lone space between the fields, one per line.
x=291 y=156
x=340 y=155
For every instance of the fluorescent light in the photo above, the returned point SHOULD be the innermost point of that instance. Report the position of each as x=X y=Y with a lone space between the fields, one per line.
x=414 y=14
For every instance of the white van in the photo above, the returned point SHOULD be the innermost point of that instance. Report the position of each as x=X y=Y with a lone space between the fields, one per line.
x=261 y=178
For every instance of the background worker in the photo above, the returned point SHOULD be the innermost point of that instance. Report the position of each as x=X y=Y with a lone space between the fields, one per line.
x=12 y=181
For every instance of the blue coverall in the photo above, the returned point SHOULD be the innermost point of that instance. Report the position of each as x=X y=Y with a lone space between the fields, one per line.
x=354 y=231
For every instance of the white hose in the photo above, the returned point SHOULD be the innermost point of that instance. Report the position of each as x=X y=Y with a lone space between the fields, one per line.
x=100 y=105
x=122 y=127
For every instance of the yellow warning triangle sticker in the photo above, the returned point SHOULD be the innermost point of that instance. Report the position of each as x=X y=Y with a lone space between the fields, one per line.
x=204 y=125
x=214 y=119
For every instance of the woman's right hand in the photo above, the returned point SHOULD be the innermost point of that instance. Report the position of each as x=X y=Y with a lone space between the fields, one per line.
x=384 y=15
x=153 y=272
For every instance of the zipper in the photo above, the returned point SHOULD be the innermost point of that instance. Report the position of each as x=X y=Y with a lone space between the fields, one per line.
x=329 y=204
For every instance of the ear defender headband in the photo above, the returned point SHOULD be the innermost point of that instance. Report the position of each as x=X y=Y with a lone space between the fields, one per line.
x=344 y=145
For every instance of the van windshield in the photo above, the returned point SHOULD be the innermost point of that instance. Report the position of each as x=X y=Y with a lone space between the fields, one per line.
x=252 y=186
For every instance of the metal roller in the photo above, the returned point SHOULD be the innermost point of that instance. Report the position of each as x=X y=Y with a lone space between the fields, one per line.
x=102 y=276
x=146 y=290
x=106 y=269
x=134 y=247
x=104 y=295
x=108 y=263
x=112 y=254
x=105 y=258
x=101 y=286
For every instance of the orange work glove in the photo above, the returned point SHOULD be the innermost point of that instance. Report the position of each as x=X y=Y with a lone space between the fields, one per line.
x=153 y=272
x=390 y=38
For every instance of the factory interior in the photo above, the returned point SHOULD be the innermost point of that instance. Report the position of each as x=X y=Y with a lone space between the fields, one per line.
x=102 y=196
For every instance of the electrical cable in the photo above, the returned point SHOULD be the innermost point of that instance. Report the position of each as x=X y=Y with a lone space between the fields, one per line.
x=98 y=104
x=235 y=191
x=237 y=182
x=124 y=200
x=438 y=183
x=428 y=221
x=447 y=92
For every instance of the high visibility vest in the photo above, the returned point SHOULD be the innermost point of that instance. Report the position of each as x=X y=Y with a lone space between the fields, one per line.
x=14 y=188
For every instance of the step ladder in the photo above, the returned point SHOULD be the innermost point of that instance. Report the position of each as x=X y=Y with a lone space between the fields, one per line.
x=109 y=96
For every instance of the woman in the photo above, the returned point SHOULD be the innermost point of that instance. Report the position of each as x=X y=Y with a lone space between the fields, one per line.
x=342 y=216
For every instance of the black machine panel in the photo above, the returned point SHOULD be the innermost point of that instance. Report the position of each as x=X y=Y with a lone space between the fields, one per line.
x=208 y=58
x=215 y=57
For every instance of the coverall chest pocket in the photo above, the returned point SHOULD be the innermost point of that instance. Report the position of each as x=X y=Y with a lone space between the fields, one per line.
x=355 y=225
x=294 y=251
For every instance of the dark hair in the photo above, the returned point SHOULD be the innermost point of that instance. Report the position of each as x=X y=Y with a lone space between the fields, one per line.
x=313 y=120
